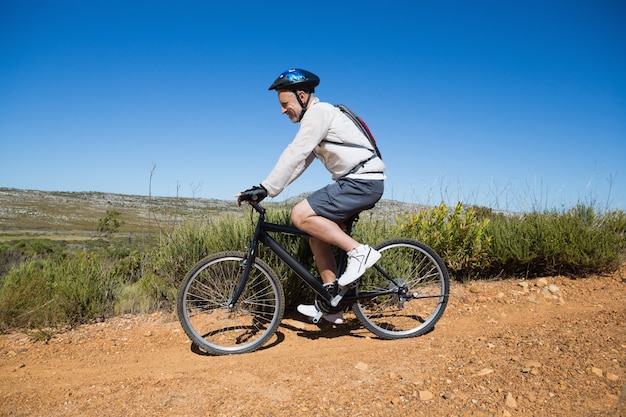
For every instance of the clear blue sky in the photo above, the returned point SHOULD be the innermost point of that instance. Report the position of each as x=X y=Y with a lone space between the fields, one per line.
x=511 y=105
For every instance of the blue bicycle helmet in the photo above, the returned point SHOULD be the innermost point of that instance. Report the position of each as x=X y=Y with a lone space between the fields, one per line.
x=296 y=79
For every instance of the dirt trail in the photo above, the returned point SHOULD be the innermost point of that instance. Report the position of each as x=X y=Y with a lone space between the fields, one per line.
x=548 y=347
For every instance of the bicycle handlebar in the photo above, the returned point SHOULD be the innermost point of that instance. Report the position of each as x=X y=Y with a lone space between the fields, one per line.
x=254 y=194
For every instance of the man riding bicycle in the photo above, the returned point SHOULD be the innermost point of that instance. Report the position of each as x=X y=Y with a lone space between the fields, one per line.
x=326 y=133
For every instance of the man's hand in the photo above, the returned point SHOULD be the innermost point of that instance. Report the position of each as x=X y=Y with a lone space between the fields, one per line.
x=256 y=193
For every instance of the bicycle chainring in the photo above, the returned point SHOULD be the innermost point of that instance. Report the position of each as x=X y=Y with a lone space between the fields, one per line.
x=324 y=305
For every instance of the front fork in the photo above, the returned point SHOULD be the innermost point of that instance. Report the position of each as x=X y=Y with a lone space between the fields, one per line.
x=247 y=263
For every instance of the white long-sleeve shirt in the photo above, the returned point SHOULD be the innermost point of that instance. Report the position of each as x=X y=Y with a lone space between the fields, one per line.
x=328 y=134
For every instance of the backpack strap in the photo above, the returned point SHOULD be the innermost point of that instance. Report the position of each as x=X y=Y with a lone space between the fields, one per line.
x=362 y=127
x=361 y=164
x=349 y=145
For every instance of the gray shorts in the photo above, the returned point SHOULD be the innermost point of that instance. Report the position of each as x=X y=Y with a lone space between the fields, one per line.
x=345 y=197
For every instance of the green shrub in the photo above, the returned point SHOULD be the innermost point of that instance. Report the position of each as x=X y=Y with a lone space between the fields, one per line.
x=577 y=242
x=56 y=292
x=188 y=243
x=457 y=235
x=110 y=224
x=13 y=253
x=48 y=286
x=373 y=230
x=150 y=293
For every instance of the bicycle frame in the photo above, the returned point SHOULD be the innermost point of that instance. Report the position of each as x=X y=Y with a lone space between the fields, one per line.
x=261 y=234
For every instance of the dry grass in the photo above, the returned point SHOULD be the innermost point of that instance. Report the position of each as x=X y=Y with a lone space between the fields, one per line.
x=28 y=214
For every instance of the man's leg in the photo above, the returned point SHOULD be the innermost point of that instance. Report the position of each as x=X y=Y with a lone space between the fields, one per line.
x=323 y=232
x=360 y=257
x=304 y=218
x=324 y=259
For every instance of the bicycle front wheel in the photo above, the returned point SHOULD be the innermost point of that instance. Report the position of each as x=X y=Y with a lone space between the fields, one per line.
x=416 y=284
x=208 y=315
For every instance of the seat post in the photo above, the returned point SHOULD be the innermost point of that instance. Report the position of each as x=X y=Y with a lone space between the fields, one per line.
x=351 y=222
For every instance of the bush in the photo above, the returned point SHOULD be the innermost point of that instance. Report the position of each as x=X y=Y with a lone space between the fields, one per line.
x=50 y=293
x=13 y=253
x=52 y=288
x=149 y=293
x=188 y=243
x=577 y=242
x=457 y=235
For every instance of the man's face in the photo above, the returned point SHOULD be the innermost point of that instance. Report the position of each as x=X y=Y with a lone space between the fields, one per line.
x=289 y=104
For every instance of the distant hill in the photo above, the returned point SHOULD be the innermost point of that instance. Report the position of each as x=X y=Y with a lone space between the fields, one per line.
x=57 y=213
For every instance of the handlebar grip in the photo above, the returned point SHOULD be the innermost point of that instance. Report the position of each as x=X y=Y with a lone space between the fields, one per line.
x=256 y=194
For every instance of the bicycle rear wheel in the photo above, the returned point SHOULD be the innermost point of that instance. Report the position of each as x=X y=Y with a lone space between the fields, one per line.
x=205 y=312
x=417 y=283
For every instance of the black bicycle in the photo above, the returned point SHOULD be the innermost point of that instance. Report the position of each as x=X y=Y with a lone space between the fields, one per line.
x=233 y=302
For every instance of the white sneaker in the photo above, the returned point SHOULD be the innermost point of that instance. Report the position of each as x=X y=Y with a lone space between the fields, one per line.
x=359 y=259
x=312 y=311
